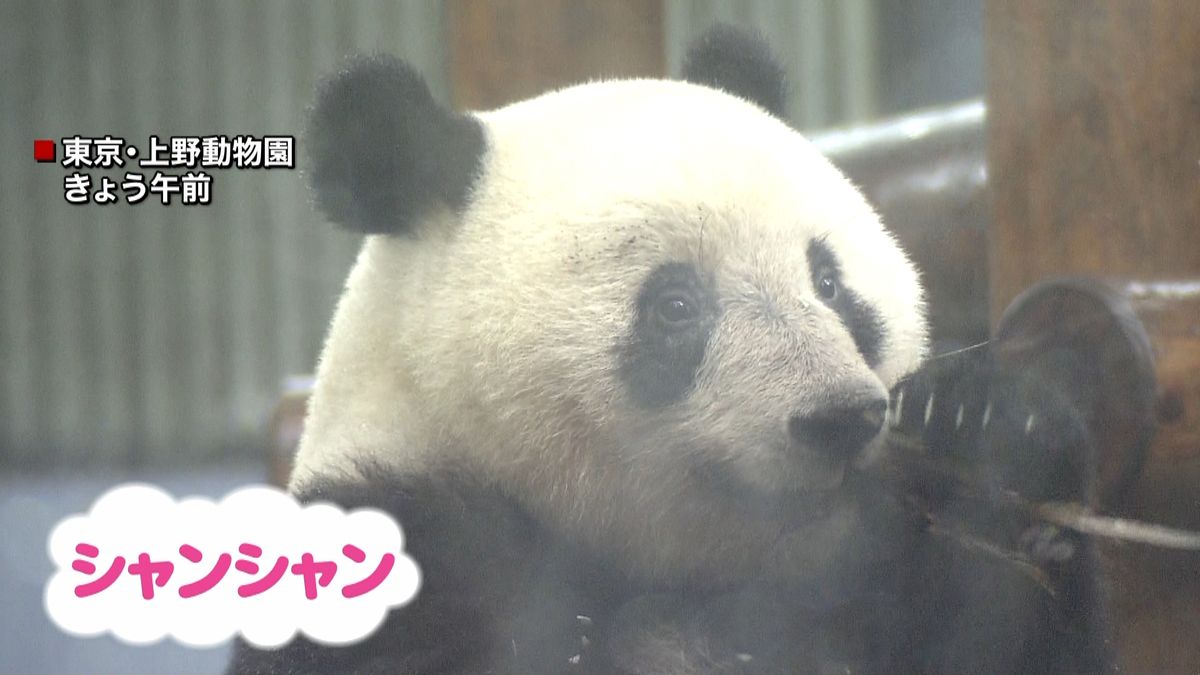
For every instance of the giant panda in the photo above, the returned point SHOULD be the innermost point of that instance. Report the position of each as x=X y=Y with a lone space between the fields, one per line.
x=618 y=359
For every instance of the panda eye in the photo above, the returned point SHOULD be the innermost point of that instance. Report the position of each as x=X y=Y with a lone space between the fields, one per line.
x=674 y=310
x=827 y=287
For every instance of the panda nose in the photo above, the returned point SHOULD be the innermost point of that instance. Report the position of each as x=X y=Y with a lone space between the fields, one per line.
x=840 y=432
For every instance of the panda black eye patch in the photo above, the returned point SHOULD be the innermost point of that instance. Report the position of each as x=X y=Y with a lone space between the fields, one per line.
x=860 y=318
x=674 y=315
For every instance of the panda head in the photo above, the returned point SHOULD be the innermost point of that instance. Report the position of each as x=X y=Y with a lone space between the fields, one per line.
x=631 y=304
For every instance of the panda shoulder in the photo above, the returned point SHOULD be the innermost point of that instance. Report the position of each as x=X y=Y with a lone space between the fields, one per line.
x=472 y=546
x=449 y=517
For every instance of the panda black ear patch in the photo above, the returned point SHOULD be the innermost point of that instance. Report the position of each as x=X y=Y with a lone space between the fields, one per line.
x=383 y=152
x=739 y=63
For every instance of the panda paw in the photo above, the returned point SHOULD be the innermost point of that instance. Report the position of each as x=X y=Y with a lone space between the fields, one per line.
x=1047 y=544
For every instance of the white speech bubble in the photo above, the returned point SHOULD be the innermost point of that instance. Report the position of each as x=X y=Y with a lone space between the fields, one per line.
x=131 y=519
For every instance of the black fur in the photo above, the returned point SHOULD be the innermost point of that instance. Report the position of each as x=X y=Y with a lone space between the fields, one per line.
x=860 y=318
x=1018 y=429
x=974 y=420
x=738 y=63
x=499 y=593
x=383 y=153
x=503 y=594
x=660 y=360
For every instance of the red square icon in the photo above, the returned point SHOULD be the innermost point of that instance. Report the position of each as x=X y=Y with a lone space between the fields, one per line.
x=43 y=150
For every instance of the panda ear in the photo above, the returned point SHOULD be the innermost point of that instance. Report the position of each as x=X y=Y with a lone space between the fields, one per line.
x=383 y=153
x=740 y=63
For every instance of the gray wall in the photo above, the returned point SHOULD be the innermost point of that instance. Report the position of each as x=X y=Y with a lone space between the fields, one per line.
x=136 y=334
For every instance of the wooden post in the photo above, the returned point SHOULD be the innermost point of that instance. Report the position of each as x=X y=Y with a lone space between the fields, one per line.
x=506 y=50
x=1094 y=140
x=1094 y=163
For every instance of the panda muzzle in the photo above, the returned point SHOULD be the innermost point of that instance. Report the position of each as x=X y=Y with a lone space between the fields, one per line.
x=840 y=432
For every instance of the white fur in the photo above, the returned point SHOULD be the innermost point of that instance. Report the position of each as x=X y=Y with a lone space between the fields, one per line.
x=490 y=340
